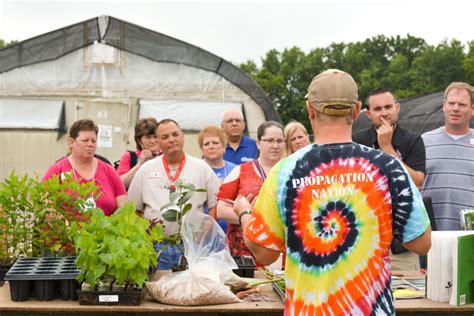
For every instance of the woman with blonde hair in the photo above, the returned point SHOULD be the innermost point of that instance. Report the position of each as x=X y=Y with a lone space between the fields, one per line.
x=296 y=137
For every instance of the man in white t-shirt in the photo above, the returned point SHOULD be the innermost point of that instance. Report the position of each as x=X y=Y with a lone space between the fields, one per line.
x=151 y=186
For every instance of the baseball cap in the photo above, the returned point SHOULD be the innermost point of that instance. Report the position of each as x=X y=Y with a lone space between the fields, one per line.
x=333 y=92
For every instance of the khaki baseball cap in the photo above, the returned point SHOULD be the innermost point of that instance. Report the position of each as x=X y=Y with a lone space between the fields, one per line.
x=333 y=92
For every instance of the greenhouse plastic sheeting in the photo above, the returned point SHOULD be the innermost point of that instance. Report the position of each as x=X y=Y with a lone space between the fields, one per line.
x=190 y=115
x=41 y=114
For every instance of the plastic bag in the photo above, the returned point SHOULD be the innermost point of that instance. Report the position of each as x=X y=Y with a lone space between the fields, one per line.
x=208 y=256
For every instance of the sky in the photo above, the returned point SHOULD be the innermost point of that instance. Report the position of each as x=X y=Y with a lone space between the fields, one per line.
x=245 y=30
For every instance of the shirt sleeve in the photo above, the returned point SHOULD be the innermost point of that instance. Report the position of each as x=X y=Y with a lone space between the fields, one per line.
x=135 y=189
x=212 y=188
x=229 y=190
x=416 y=157
x=53 y=170
x=266 y=226
x=124 y=164
x=117 y=184
x=410 y=219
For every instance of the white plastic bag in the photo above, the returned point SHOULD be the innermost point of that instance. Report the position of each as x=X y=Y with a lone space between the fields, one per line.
x=208 y=256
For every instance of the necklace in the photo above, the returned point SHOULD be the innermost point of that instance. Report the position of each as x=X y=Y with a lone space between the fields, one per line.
x=74 y=170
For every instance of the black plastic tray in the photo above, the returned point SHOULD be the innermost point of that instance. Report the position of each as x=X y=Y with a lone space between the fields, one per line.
x=246 y=266
x=45 y=277
x=130 y=298
x=43 y=268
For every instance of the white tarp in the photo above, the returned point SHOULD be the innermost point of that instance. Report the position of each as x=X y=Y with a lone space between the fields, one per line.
x=41 y=114
x=190 y=115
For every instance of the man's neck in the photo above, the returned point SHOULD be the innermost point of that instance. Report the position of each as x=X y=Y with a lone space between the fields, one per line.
x=234 y=141
x=174 y=159
x=456 y=131
x=332 y=134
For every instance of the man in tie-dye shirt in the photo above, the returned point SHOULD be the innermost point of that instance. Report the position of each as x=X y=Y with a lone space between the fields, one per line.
x=334 y=206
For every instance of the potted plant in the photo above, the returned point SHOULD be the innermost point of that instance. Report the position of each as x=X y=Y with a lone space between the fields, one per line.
x=38 y=219
x=117 y=250
x=19 y=197
x=66 y=208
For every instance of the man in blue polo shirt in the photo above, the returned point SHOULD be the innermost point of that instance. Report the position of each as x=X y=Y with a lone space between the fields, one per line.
x=239 y=148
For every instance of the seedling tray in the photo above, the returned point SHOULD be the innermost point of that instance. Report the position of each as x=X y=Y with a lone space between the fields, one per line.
x=46 y=277
x=43 y=268
x=128 y=298
x=246 y=266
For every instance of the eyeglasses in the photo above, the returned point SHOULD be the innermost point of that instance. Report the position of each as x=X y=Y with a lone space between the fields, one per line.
x=278 y=141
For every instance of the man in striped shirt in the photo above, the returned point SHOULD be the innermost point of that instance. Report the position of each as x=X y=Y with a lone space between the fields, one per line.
x=449 y=176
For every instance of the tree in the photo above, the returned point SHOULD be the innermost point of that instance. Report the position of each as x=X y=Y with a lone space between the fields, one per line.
x=4 y=44
x=407 y=65
x=468 y=64
x=438 y=66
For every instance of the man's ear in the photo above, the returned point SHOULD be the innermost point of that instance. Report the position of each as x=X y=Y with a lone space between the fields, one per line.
x=310 y=109
x=356 y=112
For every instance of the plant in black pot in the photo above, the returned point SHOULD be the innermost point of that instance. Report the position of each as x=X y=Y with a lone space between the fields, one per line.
x=37 y=219
x=115 y=254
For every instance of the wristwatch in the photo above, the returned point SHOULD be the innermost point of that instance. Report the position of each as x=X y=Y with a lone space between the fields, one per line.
x=244 y=213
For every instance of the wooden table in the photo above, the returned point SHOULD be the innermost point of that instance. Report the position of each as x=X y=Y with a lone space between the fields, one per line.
x=149 y=306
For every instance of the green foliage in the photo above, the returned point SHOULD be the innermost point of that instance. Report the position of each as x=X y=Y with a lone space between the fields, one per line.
x=407 y=65
x=41 y=217
x=4 y=44
x=119 y=247
x=68 y=205
x=20 y=222
x=178 y=207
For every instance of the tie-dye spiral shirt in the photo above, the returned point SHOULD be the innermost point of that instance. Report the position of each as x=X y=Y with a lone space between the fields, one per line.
x=332 y=207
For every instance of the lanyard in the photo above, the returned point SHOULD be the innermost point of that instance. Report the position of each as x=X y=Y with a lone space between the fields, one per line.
x=262 y=173
x=178 y=172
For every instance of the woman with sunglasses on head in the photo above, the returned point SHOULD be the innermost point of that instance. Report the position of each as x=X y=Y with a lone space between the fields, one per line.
x=147 y=148
x=247 y=179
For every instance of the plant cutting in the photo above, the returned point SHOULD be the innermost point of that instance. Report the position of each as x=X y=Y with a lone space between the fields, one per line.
x=118 y=248
x=175 y=211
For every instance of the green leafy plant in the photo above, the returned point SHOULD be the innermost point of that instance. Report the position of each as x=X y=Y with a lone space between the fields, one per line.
x=67 y=207
x=38 y=218
x=118 y=247
x=19 y=222
x=177 y=208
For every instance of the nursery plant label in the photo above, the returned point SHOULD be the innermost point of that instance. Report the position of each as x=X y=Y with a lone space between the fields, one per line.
x=108 y=298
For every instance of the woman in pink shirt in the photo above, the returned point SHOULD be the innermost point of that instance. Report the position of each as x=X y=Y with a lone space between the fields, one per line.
x=147 y=148
x=84 y=167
